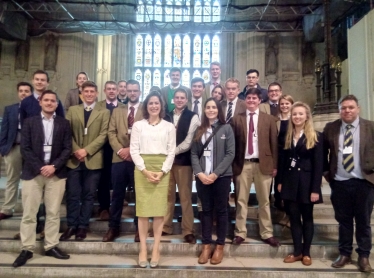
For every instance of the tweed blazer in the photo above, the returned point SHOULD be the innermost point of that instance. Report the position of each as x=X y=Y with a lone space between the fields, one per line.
x=267 y=142
x=331 y=148
x=118 y=129
x=239 y=108
x=265 y=107
x=102 y=104
x=93 y=141
x=72 y=98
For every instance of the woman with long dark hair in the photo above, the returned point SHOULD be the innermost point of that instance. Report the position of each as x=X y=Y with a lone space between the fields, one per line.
x=212 y=153
x=152 y=149
x=300 y=179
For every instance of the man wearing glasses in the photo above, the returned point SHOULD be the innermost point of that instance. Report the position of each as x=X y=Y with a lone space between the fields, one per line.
x=274 y=94
x=252 y=82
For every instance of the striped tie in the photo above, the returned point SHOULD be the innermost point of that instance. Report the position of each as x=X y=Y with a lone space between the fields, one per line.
x=348 y=142
x=229 y=113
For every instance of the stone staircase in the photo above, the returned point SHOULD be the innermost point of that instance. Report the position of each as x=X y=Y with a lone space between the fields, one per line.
x=94 y=258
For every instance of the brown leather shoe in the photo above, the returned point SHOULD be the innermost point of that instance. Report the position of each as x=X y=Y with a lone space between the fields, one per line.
x=364 y=264
x=272 y=241
x=205 y=254
x=137 y=238
x=341 y=261
x=291 y=258
x=111 y=235
x=217 y=255
x=4 y=216
x=104 y=215
x=190 y=238
x=69 y=232
x=238 y=240
x=307 y=261
x=81 y=234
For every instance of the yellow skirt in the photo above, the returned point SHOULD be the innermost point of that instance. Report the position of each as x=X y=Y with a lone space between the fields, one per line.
x=151 y=199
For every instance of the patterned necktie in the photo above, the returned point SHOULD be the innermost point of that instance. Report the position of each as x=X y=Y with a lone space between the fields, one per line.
x=196 y=107
x=130 y=118
x=348 y=162
x=229 y=113
x=88 y=108
x=251 y=129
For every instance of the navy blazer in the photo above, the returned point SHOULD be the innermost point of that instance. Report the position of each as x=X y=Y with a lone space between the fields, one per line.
x=9 y=128
x=305 y=177
x=30 y=107
x=32 y=141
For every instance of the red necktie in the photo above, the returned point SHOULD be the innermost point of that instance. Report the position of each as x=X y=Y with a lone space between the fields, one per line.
x=250 y=134
x=130 y=118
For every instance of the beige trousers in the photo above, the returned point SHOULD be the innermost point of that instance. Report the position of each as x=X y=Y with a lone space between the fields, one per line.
x=32 y=195
x=251 y=173
x=181 y=176
x=13 y=164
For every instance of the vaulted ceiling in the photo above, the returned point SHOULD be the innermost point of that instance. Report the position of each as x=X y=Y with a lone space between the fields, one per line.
x=19 y=18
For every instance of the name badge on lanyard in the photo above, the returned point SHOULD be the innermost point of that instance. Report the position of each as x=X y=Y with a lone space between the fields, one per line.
x=207 y=152
x=293 y=162
x=348 y=150
x=85 y=130
x=129 y=131
x=47 y=148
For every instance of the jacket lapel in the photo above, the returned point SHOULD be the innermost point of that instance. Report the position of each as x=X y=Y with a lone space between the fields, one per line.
x=363 y=133
x=94 y=114
x=139 y=113
x=336 y=131
x=56 y=126
x=81 y=114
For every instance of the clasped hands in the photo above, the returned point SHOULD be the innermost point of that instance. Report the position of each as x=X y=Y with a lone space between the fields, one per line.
x=80 y=154
x=207 y=179
x=153 y=177
x=47 y=171
x=124 y=153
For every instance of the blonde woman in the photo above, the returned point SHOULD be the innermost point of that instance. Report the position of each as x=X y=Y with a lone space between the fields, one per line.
x=300 y=179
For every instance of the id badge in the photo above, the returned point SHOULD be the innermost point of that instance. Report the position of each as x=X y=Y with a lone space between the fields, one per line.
x=47 y=149
x=85 y=131
x=129 y=131
x=207 y=152
x=293 y=163
x=347 y=150
x=172 y=101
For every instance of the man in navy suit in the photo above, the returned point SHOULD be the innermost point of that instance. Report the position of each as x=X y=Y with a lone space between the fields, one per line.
x=30 y=105
x=10 y=139
x=45 y=147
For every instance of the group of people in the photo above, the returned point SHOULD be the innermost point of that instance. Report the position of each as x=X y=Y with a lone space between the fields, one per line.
x=214 y=132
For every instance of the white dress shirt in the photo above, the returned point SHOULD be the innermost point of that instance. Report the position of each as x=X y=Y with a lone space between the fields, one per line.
x=199 y=106
x=233 y=107
x=48 y=125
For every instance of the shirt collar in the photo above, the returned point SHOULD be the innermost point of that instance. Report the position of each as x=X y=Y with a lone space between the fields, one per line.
x=233 y=102
x=354 y=124
x=92 y=105
x=115 y=102
x=199 y=99
x=135 y=105
x=256 y=111
x=36 y=96
x=45 y=118
x=271 y=103
x=176 y=87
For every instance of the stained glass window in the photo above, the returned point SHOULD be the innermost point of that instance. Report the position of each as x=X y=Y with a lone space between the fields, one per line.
x=178 y=11
x=207 y=11
x=157 y=51
x=166 y=77
x=196 y=73
x=216 y=11
x=206 y=76
x=148 y=51
x=177 y=51
x=157 y=78
x=198 y=11
x=158 y=11
x=215 y=48
x=206 y=52
x=139 y=51
x=187 y=11
x=186 y=51
x=147 y=82
x=169 y=11
x=186 y=78
x=197 y=52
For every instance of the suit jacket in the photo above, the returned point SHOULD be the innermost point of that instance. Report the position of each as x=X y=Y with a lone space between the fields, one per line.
x=267 y=142
x=102 y=104
x=32 y=141
x=265 y=107
x=207 y=94
x=331 y=148
x=9 y=128
x=305 y=177
x=165 y=91
x=118 y=129
x=72 y=98
x=97 y=129
x=239 y=108
x=30 y=107
x=264 y=93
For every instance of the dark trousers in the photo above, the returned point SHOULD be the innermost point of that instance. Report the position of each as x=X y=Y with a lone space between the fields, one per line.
x=302 y=226
x=105 y=184
x=353 y=199
x=214 y=197
x=81 y=186
x=122 y=178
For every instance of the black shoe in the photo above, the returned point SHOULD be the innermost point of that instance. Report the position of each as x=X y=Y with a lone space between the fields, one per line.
x=57 y=253
x=341 y=261
x=81 y=234
x=67 y=234
x=22 y=258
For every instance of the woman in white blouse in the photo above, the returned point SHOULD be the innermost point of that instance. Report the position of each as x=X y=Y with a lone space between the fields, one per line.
x=152 y=149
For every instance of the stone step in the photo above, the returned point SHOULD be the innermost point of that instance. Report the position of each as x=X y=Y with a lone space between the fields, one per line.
x=108 y=266
x=323 y=227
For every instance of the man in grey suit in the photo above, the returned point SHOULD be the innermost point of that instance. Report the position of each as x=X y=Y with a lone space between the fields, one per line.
x=10 y=139
x=167 y=92
x=349 y=168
